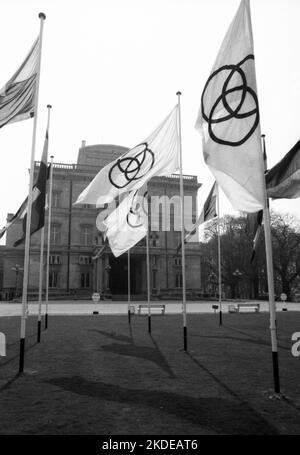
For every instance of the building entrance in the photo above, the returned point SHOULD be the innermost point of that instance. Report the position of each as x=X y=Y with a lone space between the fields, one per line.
x=118 y=279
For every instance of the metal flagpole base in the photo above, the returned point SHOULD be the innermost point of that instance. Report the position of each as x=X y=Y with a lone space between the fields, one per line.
x=276 y=372
x=185 y=338
x=220 y=316
x=149 y=324
x=22 y=355
x=39 y=331
x=46 y=320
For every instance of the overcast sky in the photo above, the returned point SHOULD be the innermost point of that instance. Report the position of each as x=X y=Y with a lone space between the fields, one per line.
x=111 y=70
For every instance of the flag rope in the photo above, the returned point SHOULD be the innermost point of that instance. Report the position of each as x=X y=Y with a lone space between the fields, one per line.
x=48 y=244
x=128 y=285
x=219 y=257
x=182 y=229
x=42 y=17
x=148 y=278
x=42 y=251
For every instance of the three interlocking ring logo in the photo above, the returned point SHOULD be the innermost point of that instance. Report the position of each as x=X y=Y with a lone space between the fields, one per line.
x=133 y=167
x=234 y=96
x=134 y=216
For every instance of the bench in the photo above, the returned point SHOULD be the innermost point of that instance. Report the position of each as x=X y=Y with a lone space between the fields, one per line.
x=143 y=308
x=232 y=308
x=131 y=309
x=250 y=306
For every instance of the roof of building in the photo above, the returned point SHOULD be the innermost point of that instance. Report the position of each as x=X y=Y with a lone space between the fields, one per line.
x=99 y=155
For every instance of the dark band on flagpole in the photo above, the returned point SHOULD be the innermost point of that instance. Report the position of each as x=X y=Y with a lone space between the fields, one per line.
x=276 y=371
x=39 y=332
x=220 y=317
x=185 y=338
x=129 y=316
x=149 y=323
x=46 y=320
x=22 y=355
x=42 y=16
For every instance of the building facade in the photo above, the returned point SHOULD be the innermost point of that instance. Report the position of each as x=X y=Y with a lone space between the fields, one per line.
x=82 y=263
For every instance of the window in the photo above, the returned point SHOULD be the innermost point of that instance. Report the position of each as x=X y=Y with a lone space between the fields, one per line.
x=56 y=198
x=178 y=280
x=85 y=260
x=55 y=235
x=86 y=235
x=54 y=259
x=85 y=280
x=154 y=274
x=155 y=240
x=53 y=279
x=177 y=261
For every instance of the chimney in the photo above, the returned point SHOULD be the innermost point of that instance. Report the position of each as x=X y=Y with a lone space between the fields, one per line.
x=83 y=143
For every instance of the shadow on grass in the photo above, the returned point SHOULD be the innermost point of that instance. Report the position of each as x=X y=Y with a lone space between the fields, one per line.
x=10 y=382
x=216 y=379
x=115 y=336
x=216 y=414
x=31 y=335
x=2 y=364
x=224 y=337
x=254 y=338
x=131 y=350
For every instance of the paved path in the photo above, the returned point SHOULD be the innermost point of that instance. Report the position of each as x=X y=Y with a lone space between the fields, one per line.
x=85 y=307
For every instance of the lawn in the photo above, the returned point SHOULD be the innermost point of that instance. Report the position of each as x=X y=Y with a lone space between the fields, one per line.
x=99 y=375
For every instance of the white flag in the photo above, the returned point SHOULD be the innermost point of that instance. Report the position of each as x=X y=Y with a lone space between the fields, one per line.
x=156 y=156
x=17 y=97
x=128 y=223
x=229 y=118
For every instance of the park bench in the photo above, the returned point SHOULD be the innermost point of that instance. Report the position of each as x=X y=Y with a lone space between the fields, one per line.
x=232 y=308
x=143 y=308
x=249 y=306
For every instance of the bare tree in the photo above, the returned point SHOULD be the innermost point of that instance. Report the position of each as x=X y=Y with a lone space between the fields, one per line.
x=241 y=277
x=286 y=251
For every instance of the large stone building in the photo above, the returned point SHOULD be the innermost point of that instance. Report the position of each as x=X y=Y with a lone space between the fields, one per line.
x=81 y=263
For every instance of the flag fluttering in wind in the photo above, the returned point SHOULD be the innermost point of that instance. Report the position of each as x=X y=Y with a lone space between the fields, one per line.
x=229 y=118
x=17 y=97
x=254 y=228
x=157 y=155
x=21 y=212
x=208 y=212
x=17 y=216
x=128 y=223
x=38 y=197
x=283 y=180
x=254 y=220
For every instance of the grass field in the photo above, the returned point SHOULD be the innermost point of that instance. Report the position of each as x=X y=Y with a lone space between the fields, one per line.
x=98 y=375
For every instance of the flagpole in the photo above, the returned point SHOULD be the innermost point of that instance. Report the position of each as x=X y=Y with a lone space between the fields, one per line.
x=182 y=232
x=148 y=280
x=40 y=285
x=42 y=17
x=270 y=273
x=272 y=307
x=128 y=284
x=219 y=256
x=42 y=259
x=48 y=241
